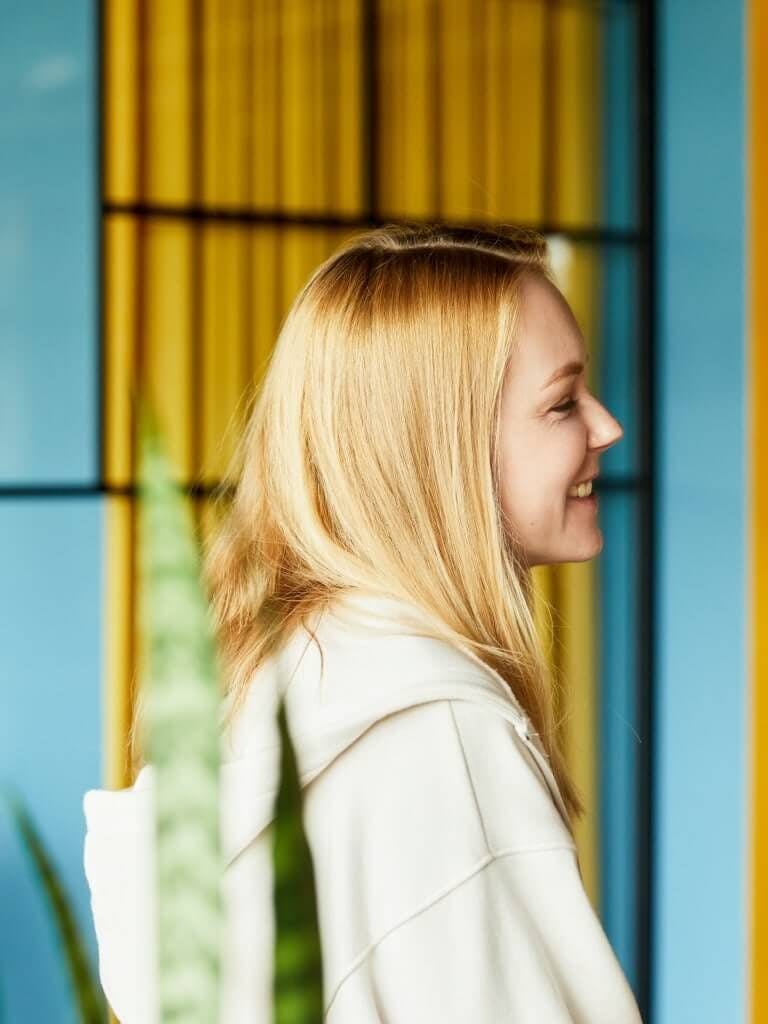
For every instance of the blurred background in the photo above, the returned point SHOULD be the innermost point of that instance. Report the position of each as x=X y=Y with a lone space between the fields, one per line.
x=170 y=174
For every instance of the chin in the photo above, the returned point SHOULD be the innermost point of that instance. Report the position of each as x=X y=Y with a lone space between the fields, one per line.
x=592 y=551
x=584 y=553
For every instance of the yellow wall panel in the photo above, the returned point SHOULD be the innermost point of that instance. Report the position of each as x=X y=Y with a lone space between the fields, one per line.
x=299 y=126
x=120 y=327
x=319 y=104
x=576 y=169
x=419 y=168
x=347 y=163
x=518 y=127
x=461 y=158
x=119 y=123
x=586 y=277
x=544 y=596
x=577 y=610
x=302 y=250
x=389 y=101
x=497 y=99
x=237 y=44
x=227 y=52
x=166 y=333
x=119 y=639
x=224 y=348
x=166 y=147
x=213 y=151
x=265 y=254
x=579 y=274
x=265 y=109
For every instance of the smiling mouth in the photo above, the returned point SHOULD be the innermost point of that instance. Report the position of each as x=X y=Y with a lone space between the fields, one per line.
x=580 y=490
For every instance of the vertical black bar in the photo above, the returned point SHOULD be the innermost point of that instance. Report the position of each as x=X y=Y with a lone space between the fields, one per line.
x=647 y=550
x=370 y=96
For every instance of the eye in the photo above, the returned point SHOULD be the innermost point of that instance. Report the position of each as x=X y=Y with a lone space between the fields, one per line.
x=566 y=407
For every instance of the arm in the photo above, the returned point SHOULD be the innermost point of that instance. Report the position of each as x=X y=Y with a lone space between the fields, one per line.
x=450 y=885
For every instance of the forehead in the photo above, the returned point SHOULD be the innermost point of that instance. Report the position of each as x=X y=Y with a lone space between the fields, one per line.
x=548 y=334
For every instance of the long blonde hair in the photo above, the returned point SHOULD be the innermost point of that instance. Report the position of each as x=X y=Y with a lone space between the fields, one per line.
x=369 y=460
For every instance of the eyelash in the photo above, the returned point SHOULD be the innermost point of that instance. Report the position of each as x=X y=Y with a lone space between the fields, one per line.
x=567 y=407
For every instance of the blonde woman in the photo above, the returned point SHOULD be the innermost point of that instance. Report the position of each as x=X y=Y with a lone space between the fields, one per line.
x=423 y=437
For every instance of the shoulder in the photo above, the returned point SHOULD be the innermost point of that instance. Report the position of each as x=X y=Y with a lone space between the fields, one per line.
x=446 y=766
x=419 y=804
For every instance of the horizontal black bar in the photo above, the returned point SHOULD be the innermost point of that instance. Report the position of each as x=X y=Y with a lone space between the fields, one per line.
x=55 y=490
x=206 y=490
x=595 y=235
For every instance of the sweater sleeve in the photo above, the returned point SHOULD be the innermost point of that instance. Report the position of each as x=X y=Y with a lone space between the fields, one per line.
x=119 y=858
x=516 y=941
x=465 y=900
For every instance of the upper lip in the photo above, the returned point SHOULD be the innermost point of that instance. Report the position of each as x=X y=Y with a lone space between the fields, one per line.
x=586 y=479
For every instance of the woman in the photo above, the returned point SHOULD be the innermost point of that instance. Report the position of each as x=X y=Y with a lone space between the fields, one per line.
x=423 y=437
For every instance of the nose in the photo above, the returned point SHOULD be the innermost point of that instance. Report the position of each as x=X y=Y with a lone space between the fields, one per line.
x=604 y=429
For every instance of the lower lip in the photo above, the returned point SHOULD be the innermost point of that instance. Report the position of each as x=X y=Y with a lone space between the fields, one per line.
x=590 y=502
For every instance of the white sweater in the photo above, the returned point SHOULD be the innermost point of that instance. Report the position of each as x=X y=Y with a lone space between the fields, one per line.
x=447 y=880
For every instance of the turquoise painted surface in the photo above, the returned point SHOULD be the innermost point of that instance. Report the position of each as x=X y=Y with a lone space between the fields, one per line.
x=620 y=735
x=619 y=639
x=621 y=149
x=620 y=509
x=50 y=728
x=48 y=261
x=702 y=797
x=50 y=548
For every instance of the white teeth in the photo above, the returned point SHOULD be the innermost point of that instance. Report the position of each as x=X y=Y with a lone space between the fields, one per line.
x=580 y=490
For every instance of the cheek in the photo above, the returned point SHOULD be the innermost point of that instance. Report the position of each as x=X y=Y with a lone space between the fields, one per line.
x=532 y=495
x=538 y=470
x=566 y=458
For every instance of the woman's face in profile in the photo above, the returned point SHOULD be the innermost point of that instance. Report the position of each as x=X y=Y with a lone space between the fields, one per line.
x=552 y=432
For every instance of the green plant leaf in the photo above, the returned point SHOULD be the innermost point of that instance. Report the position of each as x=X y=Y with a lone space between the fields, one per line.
x=86 y=989
x=182 y=740
x=298 y=979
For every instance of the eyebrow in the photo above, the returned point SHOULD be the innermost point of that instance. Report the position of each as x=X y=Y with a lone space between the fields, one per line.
x=568 y=370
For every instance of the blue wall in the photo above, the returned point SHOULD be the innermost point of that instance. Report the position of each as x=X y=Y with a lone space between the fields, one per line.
x=50 y=730
x=50 y=546
x=700 y=943
x=48 y=220
x=621 y=509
